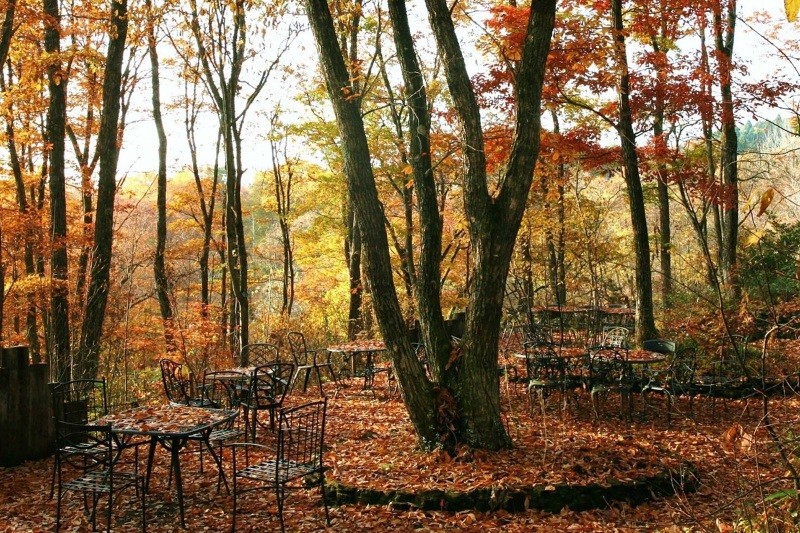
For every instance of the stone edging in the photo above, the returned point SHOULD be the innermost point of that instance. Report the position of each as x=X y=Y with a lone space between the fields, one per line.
x=551 y=498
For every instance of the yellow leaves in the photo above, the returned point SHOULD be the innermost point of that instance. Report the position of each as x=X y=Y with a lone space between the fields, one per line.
x=766 y=199
x=792 y=8
x=407 y=170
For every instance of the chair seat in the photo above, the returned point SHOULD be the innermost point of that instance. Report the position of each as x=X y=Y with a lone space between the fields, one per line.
x=100 y=481
x=269 y=471
x=219 y=435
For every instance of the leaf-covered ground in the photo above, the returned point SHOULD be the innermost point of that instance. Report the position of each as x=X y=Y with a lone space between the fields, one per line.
x=371 y=445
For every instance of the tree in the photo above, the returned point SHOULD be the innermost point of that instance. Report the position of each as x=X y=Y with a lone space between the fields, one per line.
x=56 y=129
x=159 y=266
x=221 y=33
x=461 y=403
x=645 y=321
x=97 y=296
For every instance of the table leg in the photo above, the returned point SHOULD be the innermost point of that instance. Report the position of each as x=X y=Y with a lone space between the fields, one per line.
x=174 y=446
x=150 y=455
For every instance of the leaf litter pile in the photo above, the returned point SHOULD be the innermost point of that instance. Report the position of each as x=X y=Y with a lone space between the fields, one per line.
x=370 y=445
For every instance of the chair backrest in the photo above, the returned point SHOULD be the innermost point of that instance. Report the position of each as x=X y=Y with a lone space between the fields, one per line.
x=176 y=386
x=297 y=344
x=270 y=383
x=224 y=389
x=80 y=401
x=543 y=363
x=84 y=447
x=607 y=365
x=659 y=346
x=301 y=434
x=615 y=337
x=259 y=354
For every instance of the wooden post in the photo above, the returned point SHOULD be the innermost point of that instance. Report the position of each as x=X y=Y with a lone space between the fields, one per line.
x=26 y=422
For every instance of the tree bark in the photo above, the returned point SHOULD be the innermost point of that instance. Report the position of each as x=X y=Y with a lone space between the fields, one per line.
x=723 y=37
x=159 y=266
x=464 y=405
x=645 y=321
x=97 y=294
x=56 y=126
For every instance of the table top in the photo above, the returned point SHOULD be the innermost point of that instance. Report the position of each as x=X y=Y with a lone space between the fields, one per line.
x=359 y=346
x=167 y=421
x=644 y=357
x=567 y=352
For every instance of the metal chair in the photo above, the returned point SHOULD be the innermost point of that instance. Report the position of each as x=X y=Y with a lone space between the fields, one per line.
x=309 y=361
x=658 y=381
x=224 y=390
x=547 y=373
x=85 y=458
x=259 y=354
x=176 y=386
x=609 y=372
x=615 y=337
x=268 y=387
x=81 y=401
x=297 y=459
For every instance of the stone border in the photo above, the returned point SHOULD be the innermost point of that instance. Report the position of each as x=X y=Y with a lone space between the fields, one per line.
x=551 y=498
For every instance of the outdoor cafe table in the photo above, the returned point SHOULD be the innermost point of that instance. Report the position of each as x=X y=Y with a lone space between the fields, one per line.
x=366 y=349
x=170 y=426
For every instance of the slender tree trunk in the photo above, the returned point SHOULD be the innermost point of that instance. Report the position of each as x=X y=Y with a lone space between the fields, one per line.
x=665 y=229
x=645 y=321
x=723 y=36
x=352 y=250
x=97 y=295
x=428 y=277
x=159 y=266
x=56 y=126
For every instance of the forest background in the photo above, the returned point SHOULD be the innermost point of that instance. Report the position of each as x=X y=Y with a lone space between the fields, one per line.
x=200 y=145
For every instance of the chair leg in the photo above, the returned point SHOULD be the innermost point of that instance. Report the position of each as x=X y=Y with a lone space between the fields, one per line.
x=280 y=495
x=324 y=499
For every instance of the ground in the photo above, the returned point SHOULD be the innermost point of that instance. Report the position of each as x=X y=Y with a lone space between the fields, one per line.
x=371 y=445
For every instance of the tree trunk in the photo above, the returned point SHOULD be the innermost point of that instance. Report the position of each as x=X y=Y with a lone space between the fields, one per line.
x=665 y=229
x=428 y=289
x=97 y=295
x=352 y=250
x=159 y=266
x=463 y=406
x=723 y=36
x=56 y=126
x=645 y=321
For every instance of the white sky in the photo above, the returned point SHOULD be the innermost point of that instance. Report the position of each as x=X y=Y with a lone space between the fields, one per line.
x=139 y=152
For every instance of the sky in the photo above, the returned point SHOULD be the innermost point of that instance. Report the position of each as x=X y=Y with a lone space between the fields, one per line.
x=139 y=151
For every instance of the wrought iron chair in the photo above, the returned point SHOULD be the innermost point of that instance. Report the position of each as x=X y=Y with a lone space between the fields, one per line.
x=176 y=386
x=547 y=372
x=78 y=402
x=259 y=354
x=297 y=459
x=658 y=381
x=609 y=372
x=224 y=390
x=268 y=387
x=85 y=458
x=615 y=337
x=682 y=379
x=309 y=361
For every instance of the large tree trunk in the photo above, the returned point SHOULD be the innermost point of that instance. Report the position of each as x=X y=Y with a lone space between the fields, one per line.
x=56 y=126
x=414 y=386
x=97 y=295
x=645 y=321
x=159 y=266
x=463 y=405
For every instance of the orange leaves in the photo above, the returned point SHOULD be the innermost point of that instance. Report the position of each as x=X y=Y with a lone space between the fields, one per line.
x=766 y=200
